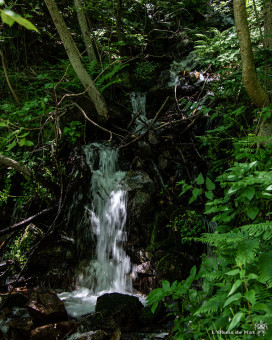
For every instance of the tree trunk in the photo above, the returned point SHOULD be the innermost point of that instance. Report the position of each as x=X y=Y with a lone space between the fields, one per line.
x=250 y=80
x=79 y=5
x=11 y=163
x=119 y=25
x=268 y=24
x=74 y=58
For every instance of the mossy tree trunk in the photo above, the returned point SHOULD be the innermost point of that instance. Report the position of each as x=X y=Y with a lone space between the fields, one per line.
x=255 y=90
x=79 y=5
x=75 y=60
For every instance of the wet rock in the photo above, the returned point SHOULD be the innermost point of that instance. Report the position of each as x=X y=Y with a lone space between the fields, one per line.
x=47 y=307
x=146 y=278
x=19 y=329
x=147 y=317
x=13 y=300
x=98 y=335
x=54 y=331
x=174 y=267
x=118 y=311
x=140 y=192
x=153 y=137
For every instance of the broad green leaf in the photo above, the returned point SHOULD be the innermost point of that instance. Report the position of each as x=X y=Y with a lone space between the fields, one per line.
x=7 y=19
x=154 y=307
x=233 y=272
x=236 y=319
x=209 y=195
x=166 y=287
x=236 y=285
x=200 y=179
x=232 y=190
x=249 y=193
x=233 y=298
x=209 y=184
x=269 y=188
x=262 y=307
x=252 y=277
x=10 y=17
x=11 y=145
x=253 y=212
x=250 y=296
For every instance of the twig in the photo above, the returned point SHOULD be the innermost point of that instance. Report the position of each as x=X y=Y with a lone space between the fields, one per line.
x=7 y=79
x=134 y=118
x=150 y=126
x=24 y=222
x=95 y=124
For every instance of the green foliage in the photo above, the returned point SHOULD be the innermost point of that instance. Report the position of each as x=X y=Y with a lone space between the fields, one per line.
x=9 y=17
x=73 y=131
x=19 y=248
x=144 y=69
x=189 y=224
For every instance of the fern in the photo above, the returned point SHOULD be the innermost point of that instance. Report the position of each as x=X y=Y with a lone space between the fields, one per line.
x=265 y=267
x=258 y=229
x=211 y=306
x=246 y=251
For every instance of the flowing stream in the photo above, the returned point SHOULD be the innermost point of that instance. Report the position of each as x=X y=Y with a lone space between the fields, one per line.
x=109 y=270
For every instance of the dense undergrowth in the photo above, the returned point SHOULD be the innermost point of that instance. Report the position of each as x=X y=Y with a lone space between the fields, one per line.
x=229 y=295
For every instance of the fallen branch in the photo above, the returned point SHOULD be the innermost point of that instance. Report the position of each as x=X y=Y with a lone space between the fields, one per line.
x=8 y=162
x=97 y=125
x=7 y=79
x=24 y=222
x=149 y=127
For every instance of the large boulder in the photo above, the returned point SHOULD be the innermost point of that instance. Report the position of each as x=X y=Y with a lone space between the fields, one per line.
x=116 y=311
x=54 y=331
x=140 y=190
x=46 y=308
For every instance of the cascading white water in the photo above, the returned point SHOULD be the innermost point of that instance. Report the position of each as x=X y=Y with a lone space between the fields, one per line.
x=138 y=102
x=109 y=270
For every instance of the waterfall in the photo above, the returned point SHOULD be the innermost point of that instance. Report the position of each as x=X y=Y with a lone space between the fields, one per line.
x=110 y=268
x=138 y=102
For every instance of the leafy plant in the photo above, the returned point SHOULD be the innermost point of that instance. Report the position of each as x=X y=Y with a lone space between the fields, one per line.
x=189 y=224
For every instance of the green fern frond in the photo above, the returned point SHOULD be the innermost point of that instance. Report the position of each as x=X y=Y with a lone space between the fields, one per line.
x=256 y=230
x=211 y=306
x=262 y=293
x=246 y=251
x=213 y=276
x=265 y=267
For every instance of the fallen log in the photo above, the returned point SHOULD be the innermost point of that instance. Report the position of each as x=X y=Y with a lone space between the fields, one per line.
x=25 y=222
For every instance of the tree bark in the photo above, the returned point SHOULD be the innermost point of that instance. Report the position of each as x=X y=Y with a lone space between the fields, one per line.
x=268 y=24
x=250 y=80
x=11 y=163
x=79 y=5
x=8 y=162
x=74 y=58
x=119 y=25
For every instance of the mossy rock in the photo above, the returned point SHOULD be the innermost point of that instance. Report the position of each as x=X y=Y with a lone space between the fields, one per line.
x=174 y=267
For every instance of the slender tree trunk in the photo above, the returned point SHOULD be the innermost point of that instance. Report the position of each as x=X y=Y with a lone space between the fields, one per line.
x=250 y=80
x=74 y=58
x=11 y=163
x=79 y=5
x=119 y=21
x=268 y=24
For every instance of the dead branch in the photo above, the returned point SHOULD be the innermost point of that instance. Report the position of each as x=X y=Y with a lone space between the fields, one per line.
x=8 y=162
x=149 y=127
x=24 y=222
x=97 y=125
x=7 y=79
x=133 y=119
